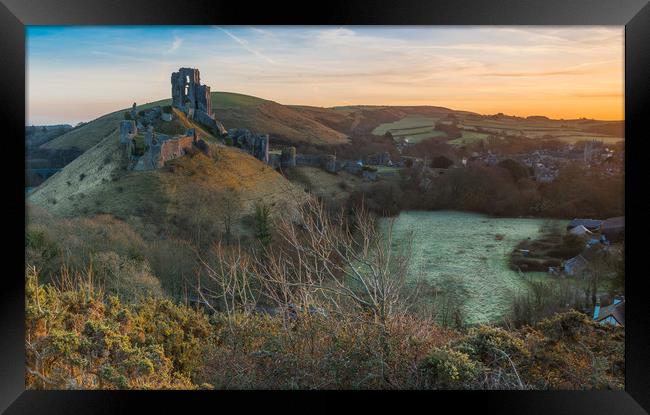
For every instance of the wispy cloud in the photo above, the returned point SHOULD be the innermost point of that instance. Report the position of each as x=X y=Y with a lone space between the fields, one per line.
x=176 y=44
x=536 y=74
x=244 y=44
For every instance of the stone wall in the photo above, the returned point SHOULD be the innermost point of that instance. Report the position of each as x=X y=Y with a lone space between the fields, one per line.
x=288 y=157
x=313 y=160
x=216 y=127
x=329 y=163
x=255 y=144
x=174 y=148
x=127 y=131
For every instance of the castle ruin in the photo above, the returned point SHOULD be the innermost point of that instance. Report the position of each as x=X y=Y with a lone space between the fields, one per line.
x=188 y=94
x=148 y=150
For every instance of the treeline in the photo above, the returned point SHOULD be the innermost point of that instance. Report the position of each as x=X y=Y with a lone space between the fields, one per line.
x=503 y=190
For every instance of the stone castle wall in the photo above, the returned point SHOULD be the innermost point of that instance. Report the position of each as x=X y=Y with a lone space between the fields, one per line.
x=174 y=148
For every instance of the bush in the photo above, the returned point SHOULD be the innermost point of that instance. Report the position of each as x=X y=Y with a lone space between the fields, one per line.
x=517 y=170
x=449 y=369
x=263 y=223
x=79 y=339
x=127 y=116
x=488 y=344
x=441 y=162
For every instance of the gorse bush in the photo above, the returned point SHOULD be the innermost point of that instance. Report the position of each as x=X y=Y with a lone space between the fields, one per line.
x=78 y=337
x=448 y=369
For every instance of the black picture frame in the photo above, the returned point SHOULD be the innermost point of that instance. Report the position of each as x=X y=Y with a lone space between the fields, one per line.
x=634 y=14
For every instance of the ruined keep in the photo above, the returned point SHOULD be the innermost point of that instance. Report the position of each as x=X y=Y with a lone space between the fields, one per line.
x=188 y=94
x=194 y=99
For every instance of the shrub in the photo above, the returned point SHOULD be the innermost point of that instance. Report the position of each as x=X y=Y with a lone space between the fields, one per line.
x=448 y=369
x=488 y=345
x=76 y=338
x=441 y=162
x=263 y=223
x=517 y=170
x=127 y=116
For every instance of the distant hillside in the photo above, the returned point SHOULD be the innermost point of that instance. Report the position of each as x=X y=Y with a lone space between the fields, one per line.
x=36 y=135
x=189 y=192
x=363 y=119
x=87 y=135
x=327 y=127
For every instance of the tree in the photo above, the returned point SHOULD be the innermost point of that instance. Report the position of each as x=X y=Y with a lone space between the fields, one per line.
x=263 y=223
x=441 y=162
x=517 y=170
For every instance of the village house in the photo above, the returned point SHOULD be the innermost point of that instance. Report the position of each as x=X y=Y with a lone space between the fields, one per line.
x=614 y=228
x=591 y=224
x=613 y=314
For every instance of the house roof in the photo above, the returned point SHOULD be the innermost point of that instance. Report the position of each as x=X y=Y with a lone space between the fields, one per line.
x=614 y=310
x=590 y=224
x=613 y=223
x=580 y=230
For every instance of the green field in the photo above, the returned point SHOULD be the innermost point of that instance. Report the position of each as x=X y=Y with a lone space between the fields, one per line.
x=460 y=258
x=469 y=137
x=412 y=129
x=583 y=137
x=409 y=122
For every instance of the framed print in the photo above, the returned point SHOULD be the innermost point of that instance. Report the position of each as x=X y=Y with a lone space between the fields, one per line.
x=219 y=198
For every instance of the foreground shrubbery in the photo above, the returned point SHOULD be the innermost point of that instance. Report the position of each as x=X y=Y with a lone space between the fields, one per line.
x=76 y=337
x=325 y=305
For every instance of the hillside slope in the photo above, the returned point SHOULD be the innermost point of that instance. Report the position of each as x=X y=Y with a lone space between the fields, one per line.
x=284 y=124
x=87 y=135
x=189 y=193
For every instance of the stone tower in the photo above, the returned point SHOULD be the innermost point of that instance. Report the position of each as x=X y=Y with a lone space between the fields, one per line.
x=188 y=94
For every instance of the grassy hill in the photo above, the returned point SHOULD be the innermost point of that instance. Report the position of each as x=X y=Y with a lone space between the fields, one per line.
x=189 y=193
x=285 y=124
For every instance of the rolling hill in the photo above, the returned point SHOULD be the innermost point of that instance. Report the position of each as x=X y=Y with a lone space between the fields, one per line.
x=283 y=123
x=190 y=193
x=331 y=127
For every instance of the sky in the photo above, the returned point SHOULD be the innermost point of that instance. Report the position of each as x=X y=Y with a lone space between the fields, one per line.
x=78 y=73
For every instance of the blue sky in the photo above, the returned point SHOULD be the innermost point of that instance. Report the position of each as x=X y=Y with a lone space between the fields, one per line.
x=78 y=73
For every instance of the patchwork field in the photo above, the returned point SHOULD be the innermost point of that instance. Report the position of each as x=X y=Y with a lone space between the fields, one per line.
x=566 y=130
x=469 y=137
x=416 y=128
x=412 y=129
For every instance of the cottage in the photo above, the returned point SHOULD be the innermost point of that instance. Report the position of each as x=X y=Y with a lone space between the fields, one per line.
x=613 y=314
x=591 y=224
x=614 y=228
x=580 y=230
x=575 y=265
x=578 y=264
